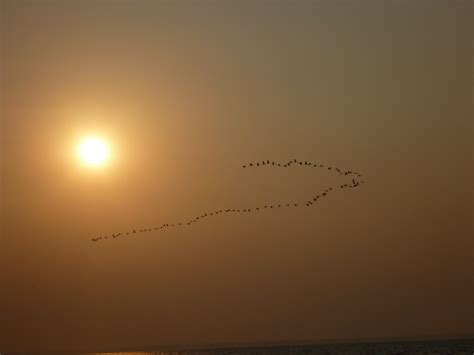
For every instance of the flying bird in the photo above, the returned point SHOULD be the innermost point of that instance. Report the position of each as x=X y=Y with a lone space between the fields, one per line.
x=354 y=183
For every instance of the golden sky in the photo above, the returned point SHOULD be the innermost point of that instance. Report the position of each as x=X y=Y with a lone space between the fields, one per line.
x=185 y=93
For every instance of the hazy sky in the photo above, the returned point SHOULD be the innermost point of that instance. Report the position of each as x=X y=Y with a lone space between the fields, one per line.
x=188 y=91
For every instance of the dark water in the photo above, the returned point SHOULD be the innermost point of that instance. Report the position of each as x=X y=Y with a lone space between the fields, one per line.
x=456 y=346
x=463 y=346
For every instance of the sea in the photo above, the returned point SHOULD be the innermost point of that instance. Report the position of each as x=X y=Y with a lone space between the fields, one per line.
x=460 y=346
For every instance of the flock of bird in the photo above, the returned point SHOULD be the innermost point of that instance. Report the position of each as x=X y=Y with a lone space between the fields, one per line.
x=355 y=182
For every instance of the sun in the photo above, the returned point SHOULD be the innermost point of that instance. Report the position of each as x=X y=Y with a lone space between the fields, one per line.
x=94 y=151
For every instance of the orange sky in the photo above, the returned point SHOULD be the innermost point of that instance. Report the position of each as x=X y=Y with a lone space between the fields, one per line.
x=188 y=91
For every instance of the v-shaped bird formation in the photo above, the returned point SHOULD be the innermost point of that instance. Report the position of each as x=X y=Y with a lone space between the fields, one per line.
x=354 y=176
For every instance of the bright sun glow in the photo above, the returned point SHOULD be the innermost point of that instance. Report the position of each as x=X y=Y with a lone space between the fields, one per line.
x=94 y=151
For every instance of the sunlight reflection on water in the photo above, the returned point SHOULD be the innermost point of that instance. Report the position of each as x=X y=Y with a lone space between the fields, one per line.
x=152 y=353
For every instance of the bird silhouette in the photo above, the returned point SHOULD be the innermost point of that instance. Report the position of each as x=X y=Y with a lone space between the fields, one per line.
x=353 y=183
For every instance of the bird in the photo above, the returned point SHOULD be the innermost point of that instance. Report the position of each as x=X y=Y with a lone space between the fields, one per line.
x=352 y=184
